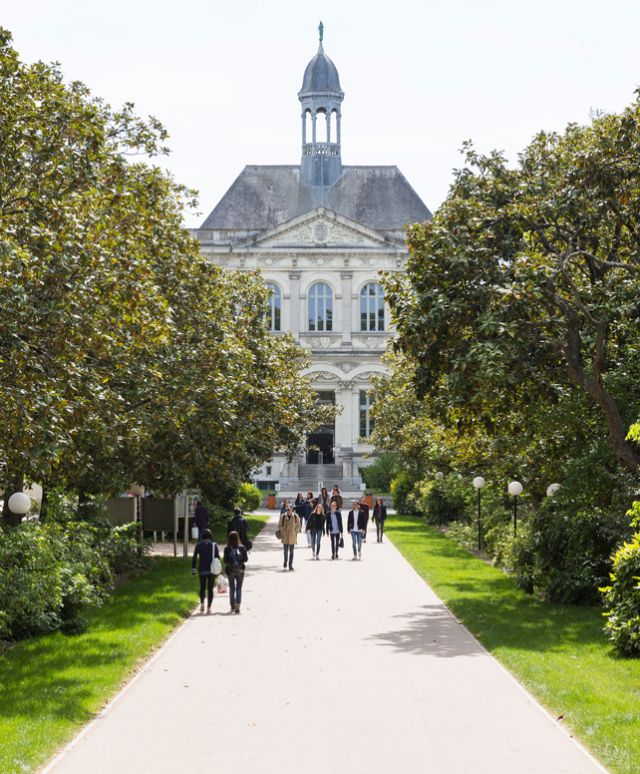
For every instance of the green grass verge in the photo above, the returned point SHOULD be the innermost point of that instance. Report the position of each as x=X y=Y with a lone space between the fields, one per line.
x=558 y=651
x=52 y=685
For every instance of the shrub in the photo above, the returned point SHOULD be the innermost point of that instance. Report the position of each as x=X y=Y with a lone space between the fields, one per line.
x=31 y=586
x=566 y=555
x=248 y=497
x=124 y=549
x=622 y=597
x=378 y=475
x=401 y=487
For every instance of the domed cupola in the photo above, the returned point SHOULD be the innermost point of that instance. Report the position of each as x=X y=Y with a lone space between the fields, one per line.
x=321 y=97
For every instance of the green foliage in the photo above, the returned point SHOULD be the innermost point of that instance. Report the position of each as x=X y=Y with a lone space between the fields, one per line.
x=621 y=597
x=248 y=497
x=379 y=474
x=401 y=487
x=124 y=549
x=126 y=356
x=567 y=554
x=31 y=585
x=49 y=574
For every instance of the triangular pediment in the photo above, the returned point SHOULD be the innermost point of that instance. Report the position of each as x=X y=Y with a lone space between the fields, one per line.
x=321 y=228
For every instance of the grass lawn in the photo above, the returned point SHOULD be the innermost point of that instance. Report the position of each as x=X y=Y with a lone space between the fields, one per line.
x=52 y=685
x=558 y=651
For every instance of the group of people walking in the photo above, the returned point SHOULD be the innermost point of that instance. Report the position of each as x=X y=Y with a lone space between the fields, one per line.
x=317 y=516
x=322 y=515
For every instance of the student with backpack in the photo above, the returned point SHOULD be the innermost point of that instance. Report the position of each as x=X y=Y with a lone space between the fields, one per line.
x=235 y=556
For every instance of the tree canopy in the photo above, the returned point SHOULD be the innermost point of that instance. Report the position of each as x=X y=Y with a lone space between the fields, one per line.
x=124 y=355
x=525 y=284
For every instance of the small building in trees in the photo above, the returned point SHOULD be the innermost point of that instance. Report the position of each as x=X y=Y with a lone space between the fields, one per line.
x=320 y=232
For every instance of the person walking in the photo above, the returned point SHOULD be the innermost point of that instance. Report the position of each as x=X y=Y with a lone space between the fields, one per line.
x=201 y=518
x=356 y=525
x=239 y=524
x=204 y=554
x=315 y=525
x=336 y=497
x=365 y=508
x=323 y=499
x=289 y=526
x=303 y=509
x=379 y=517
x=334 y=528
x=235 y=557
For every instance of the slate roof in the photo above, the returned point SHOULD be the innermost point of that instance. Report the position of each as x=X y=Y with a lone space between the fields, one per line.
x=263 y=197
x=321 y=76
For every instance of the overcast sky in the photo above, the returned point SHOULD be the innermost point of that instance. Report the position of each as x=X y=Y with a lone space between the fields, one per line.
x=419 y=77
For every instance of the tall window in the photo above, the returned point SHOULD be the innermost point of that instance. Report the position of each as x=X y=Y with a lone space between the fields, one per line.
x=320 y=307
x=275 y=307
x=372 y=307
x=366 y=421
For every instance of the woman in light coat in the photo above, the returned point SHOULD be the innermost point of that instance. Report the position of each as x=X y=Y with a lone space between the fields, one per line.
x=289 y=526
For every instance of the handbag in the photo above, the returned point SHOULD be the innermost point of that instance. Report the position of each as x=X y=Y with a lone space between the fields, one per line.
x=341 y=543
x=278 y=533
x=216 y=566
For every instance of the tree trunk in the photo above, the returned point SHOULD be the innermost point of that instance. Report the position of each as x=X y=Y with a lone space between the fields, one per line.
x=16 y=483
x=594 y=387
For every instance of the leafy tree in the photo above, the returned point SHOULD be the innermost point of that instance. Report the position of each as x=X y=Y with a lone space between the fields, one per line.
x=124 y=355
x=524 y=287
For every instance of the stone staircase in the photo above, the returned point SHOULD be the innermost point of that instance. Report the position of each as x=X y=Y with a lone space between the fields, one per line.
x=312 y=477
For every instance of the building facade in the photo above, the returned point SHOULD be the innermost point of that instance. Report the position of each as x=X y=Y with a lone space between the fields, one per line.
x=320 y=233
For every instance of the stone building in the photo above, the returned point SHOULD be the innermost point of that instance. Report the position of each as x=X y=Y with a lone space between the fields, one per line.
x=320 y=232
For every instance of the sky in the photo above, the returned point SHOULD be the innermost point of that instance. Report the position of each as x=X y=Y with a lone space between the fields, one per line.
x=419 y=77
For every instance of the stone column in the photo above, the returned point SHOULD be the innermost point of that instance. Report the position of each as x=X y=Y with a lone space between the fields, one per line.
x=294 y=300
x=347 y=282
x=344 y=422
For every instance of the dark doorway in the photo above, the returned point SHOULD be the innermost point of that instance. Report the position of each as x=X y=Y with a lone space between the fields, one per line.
x=320 y=441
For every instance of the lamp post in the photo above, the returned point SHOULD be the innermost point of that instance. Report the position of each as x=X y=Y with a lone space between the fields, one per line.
x=552 y=489
x=439 y=477
x=478 y=483
x=515 y=490
x=19 y=504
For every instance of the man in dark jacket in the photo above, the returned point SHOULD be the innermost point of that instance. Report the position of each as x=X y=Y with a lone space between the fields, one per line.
x=357 y=525
x=201 y=519
x=239 y=524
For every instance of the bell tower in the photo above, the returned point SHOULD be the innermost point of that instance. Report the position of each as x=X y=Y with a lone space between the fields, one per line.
x=320 y=98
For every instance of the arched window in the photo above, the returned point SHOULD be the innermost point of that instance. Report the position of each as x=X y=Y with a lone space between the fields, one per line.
x=372 y=307
x=274 y=318
x=320 y=307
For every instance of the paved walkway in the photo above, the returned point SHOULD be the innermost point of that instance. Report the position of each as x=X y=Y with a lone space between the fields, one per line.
x=345 y=666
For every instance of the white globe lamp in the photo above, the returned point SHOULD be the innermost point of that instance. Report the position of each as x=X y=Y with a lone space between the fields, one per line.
x=19 y=503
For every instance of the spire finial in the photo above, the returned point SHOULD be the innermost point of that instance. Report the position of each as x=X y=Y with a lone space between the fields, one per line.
x=321 y=32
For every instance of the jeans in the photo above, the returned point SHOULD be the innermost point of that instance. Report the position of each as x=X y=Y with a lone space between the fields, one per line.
x=380 y=530
x=335 y=543
x=356 y=537
x=288 y=554
x=316 y=537
x=236 y=577
x=206 y=581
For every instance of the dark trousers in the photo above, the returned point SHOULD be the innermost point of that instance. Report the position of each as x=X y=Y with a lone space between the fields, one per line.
x=206 y=582
x=288 y=554
x=335 y=543
x=380 y=530
x=236 y=577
